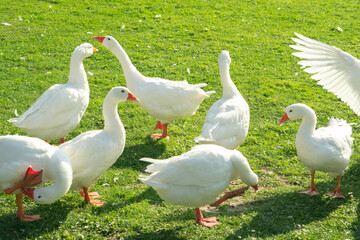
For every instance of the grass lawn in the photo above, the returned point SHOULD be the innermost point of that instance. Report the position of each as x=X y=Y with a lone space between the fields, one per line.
x=181 y=40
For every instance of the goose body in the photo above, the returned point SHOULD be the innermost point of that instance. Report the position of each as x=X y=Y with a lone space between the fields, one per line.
x=59 y=109
x=164 y=99
x=327 y=149
x=227 y=121
x=18 y=153
x=197 y=177
x=92 y=153
x=335 y=70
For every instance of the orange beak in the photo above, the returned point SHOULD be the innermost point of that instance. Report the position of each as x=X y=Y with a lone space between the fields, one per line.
x=99 y=39
x=95 y=50
x=28 y=192
x=132 y=98
x=255 y=187
x=284 y=119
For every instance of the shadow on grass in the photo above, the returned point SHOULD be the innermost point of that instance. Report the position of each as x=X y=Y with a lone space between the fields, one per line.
x=52 y=216
x=353 y=182
x=164 y=234
x=285 y=212
x=131 y=155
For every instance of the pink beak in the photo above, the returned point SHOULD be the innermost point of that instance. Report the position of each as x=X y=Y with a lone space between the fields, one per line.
x=284 y=119
x=132 y=98
x=99 y=39
x=28 y=192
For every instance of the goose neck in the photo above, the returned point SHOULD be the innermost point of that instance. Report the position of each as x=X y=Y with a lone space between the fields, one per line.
x=122 y=56
x=229 y=88
x=308 y=123
x=113 y=124
x=77 y=75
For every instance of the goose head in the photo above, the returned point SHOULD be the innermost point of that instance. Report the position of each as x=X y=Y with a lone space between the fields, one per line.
x=43 y=195
x=107 y=41
x=224 y=58
x=120 y=94
x=85 y=50
x=296 y=111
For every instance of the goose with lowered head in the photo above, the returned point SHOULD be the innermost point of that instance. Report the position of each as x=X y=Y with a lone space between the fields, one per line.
x=163 y=99
x=59 y=109
x=335 y=70
x=227 y=121
x=26 y=162
x=197 y=177
x=327 y=149
x=92 y=153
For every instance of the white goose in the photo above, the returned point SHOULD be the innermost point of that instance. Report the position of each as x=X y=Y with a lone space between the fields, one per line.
x=227 y=121
x=197 y=177
x=327 y=149
x=336 y=71
x=59 y=109
x=92 y=153
x=164 y=99
x=26 y=162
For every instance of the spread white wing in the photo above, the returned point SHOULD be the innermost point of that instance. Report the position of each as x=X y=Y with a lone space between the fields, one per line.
x=335 y=70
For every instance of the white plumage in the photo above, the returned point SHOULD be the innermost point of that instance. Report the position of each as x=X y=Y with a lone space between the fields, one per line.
x=18 y=153
x=164 y=99
x=197 y=177
x=335 y=70
x=327 y=149
x=92 y=153
x=227 y=121
x=59 y=109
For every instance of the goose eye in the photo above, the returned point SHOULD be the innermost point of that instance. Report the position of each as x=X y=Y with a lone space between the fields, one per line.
x=290 y=111
x=122 y=91
x=39 y=196
x=109 y=39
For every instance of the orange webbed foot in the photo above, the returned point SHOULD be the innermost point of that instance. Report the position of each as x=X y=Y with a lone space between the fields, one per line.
x=310 y=191
x=209 y=222
x=336 y=194
x=31 y=178
x=28 y=218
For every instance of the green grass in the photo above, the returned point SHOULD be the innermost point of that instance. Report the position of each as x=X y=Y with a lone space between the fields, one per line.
x=35 y=52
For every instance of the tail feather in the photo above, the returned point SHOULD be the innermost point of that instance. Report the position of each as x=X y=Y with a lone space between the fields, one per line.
x=155 y=164
x=209 y=93
x=147 y=180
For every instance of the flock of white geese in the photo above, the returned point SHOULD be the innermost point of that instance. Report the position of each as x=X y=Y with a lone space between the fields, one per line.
x=193 y=179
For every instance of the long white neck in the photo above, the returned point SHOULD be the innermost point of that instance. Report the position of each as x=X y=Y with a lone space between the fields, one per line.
x=243 y=170
x=113 y=124
x=77 y=74
x=229 y=88
x=61 y=173
x=125 y=62
x=308 y=123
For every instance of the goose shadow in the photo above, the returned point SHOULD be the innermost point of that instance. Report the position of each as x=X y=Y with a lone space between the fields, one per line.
x=131 y=155
x=159 y=235
x=353 y=181
x=52 y=217
x=282 y=213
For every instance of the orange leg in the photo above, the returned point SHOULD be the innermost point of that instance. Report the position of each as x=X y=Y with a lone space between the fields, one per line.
x=312 y=189
x=207 y=222
x=337 y=193
x=229 y=195
x=159 y=135
x=62 y=140
x=20 y=213
x=91 y=197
